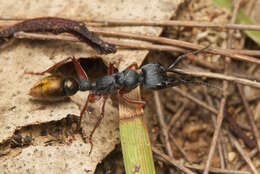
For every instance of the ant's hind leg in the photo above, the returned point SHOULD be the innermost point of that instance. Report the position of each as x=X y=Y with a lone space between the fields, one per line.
x=140 y=103
x=51 y=69
x=80 y=71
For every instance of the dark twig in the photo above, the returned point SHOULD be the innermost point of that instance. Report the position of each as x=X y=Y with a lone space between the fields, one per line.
x=9 y=22
x=236 y=130
x=58 y=25
x=250 y=116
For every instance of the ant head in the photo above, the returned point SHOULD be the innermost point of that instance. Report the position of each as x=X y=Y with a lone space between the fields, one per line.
x=70 y=86
x=85 y=85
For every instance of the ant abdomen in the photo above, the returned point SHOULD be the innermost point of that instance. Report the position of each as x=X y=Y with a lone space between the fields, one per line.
x=53 y=88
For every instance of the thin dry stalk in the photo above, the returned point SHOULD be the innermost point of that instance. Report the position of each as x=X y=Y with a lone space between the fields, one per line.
x=216 y=170
x=244 y=155
x=220 y=118
x=180 y=149
x=221 y=143
x=161 y=40
x=176 y=116
x=163 y=125
x=195 y=100
x=180 y=122
x=172 y=161
x=174 y=42
x=175 y=23
x=251 y=155
x=161 y=23
x=242 y=81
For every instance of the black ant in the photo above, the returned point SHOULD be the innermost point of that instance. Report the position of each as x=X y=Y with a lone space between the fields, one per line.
x=150 y=76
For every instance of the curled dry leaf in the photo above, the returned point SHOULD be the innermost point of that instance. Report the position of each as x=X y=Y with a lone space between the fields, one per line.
x=18 y=111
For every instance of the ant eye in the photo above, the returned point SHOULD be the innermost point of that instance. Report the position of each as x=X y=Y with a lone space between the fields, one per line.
x=70 y=86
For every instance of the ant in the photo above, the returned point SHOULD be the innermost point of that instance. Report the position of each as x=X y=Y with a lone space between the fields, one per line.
x=151 y=76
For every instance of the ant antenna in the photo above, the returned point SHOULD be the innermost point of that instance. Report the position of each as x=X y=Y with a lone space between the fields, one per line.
x=179 y=58
x=201 y=83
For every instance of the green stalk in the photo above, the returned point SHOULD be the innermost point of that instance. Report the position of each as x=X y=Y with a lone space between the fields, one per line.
x=135 y=141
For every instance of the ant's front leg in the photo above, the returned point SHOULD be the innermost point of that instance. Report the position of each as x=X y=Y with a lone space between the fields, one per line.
x=101 y=116
x=92 y=98
x=133 y=65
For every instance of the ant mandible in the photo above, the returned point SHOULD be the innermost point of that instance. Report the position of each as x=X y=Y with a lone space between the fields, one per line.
x=152 y=76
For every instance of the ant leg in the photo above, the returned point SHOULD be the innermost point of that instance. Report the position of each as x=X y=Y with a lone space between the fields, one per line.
x=111 y=69
x=83 y=110
x=178 y=72
x=186 y=55
x=51 y=69
x=80 y=71
x=92 y=99
x=133 y=65
x=140 y=103
x=101 y=116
